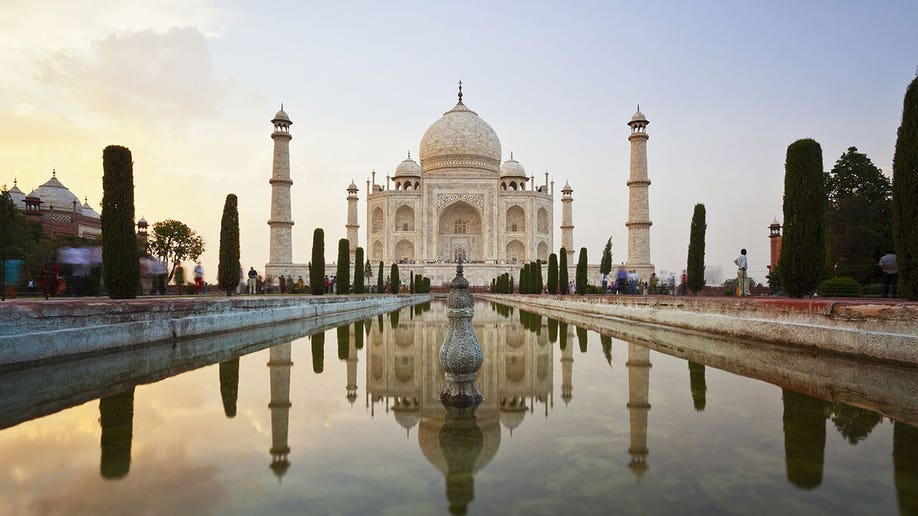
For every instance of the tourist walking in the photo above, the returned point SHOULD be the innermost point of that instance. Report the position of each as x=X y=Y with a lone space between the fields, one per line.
x=890 y=273
x=253 y=276
x=684 y=282
x=742 y=280
x=199 y=277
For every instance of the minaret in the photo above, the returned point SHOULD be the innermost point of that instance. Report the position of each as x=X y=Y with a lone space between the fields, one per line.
x=352 y=225
x=279 y=364
x=281 y=224
x=567 y=366
x=774 y=237
x=638 y=199
x=638 y=365
x=567 y=222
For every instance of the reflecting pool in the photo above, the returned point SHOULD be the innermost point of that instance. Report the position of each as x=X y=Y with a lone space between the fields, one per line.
x=348 y=421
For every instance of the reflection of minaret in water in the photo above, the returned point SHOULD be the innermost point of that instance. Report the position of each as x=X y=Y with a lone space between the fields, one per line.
x=638 y=365
x=567 y=363
x=116 y=415
x=279 y=364
x=351 y=387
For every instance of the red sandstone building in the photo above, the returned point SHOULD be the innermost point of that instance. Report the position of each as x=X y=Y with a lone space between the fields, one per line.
x=58 y=210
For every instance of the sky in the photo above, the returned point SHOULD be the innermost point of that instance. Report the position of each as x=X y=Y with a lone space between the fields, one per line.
x=190 y=86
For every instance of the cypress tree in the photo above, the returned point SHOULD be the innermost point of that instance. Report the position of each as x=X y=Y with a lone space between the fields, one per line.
x=427 y=285
x=582 y=272
x=803 y=247
x=411 y=282
x=695 y=267
x=537 y=283
x=359 y=286
x=605 y=265
x=394 y=281
x=524 y=279
x=905 y=195
x=552 y=273
x=228 y=268
x=380 y=280
x=317 y=271
x=343 y=272
x=120 y=257
x=563 y=282
x=509 y=283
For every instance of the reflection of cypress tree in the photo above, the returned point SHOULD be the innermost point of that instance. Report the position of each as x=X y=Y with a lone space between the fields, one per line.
x=697 y=384
x=393 y=319
x=344 y=341
x=461 y=442
x=606 y=347
x=318 y=352
x=582 y=339
x=379 y=322
x=116 y=415
x=229 y=385
x=905 y=466
x=552 y=330
x=855 y=424
x=804 y=438
x=368 y=325
x=562 y=329
x=358 y=334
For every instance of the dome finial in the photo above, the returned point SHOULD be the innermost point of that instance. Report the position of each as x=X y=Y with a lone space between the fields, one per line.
x=511 y=154
x=409 y=154
x=460 y=90
x=14 y=182
x=53 y=172
x=639 y=107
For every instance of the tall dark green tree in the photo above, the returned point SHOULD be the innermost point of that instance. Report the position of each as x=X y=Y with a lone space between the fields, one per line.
x=858 y=218
x=343 y=271
x=317 y=271
x=803 y=247
x=380 y=280
x=16 y=236
x=552 y=273
x=229 y=266
x=524 y=279
x=359 y=272
x=395 y=282
x=120 y=258
x=605 y=264
x=563 y=282
x=905 y=195
x=695 y=267
x=582 y=272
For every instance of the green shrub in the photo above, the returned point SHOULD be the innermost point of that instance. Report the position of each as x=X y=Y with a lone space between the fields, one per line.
x=844 y=286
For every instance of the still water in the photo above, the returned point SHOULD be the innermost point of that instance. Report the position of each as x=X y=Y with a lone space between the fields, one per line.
x=348 y=422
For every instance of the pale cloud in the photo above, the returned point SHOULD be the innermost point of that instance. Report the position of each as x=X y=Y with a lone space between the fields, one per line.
x=146 y=77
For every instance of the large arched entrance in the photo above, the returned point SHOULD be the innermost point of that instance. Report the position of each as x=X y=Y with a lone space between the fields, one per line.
x=459 y=233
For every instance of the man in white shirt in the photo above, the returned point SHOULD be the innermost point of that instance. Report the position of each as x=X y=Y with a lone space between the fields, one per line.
x=890 y=273
x=742 y=280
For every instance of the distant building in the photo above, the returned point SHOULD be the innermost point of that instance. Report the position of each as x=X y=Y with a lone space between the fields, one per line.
x=57 y=209
x=774 y=237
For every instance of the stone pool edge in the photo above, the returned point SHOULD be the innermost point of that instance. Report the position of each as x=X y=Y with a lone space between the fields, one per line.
x=35 y=331
x=870 y=331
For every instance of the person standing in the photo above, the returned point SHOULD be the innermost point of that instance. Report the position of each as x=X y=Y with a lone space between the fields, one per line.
x=253 y=276
x=684 y=282
x=742 y=280
x=890 y=273
x=199 y=277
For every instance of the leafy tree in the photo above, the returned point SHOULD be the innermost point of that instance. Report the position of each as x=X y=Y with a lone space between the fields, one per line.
x=343 y=273
x=905 y=195
x=380 y=280
x=359 y=272
x=317 y=272
x=858 y=211
x=552 y=273
x=120 y=259
x=173 y=242
x=803 y=247
x=695 y=267
x=229 y=266
x=582 y=272
x=18 y=237
x=605 y=265
x=563 y=282
x=394 y=281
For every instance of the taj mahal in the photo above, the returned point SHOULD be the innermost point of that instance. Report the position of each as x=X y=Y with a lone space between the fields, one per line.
x=458 y=201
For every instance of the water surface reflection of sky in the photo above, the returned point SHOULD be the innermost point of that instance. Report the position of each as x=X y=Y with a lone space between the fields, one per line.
x=572 y=422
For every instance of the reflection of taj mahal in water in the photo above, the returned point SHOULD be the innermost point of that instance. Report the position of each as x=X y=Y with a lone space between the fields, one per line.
x=459 y=202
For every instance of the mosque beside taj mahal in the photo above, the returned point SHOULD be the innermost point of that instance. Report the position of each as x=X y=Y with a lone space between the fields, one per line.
x=458 y=201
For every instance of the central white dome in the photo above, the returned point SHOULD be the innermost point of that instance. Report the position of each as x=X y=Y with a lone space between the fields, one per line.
x=460 y=139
